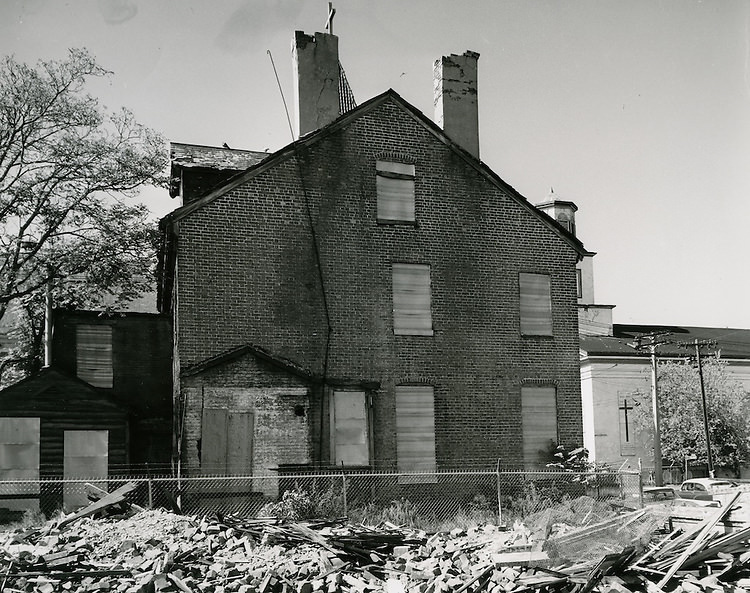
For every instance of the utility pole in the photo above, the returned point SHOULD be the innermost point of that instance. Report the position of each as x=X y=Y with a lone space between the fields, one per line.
x=650 y=342
x=698 y=345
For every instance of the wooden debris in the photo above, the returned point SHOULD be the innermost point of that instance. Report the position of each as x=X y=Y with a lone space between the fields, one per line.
x=114 y=498
x=161 y=552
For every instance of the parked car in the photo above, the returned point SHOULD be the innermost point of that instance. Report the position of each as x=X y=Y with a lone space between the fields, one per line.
x=704 y=488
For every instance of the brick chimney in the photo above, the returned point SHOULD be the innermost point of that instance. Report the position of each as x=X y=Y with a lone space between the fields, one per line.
x=456 y=107
x=316 y=75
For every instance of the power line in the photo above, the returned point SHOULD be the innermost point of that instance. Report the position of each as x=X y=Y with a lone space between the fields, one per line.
x=698 y=344
x=650 y=342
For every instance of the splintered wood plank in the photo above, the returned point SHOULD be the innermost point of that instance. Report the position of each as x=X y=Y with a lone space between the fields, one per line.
x=700 y=537
x=111 y=499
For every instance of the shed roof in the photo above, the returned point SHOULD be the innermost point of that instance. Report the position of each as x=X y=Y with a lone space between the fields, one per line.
x=214 y=157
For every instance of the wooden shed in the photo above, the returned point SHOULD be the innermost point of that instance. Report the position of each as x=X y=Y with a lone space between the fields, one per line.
x=53 y=425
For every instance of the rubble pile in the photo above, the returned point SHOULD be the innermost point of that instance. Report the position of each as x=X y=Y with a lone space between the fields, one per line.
x=155 y=551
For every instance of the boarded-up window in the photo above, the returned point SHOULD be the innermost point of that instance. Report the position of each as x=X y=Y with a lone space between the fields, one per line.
x=412 y=300
x=415 y=431
x=85 y=455
x=395 y=188
x=19 y=448
x=227 y=442
x=536 y=304
x=94 y=354
x=350 y=433
x=19 y=460
x=539 y=422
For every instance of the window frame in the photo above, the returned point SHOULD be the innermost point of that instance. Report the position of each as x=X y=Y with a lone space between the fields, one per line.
x=529 y=463
x=526 y=309
x=401 y=314
x=103 y=360
x=425 y=469
x=366 y=426
x=390 y=210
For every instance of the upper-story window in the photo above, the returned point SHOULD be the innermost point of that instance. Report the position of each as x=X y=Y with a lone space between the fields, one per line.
x=536 y=304
x=412 y=314
x=395 y=188
x=568 y=224
x=94 y=354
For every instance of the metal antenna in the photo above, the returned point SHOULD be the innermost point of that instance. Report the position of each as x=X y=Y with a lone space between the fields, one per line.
x=281 y=92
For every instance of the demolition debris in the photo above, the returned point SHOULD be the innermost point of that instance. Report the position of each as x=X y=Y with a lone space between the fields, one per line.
x=155 y=551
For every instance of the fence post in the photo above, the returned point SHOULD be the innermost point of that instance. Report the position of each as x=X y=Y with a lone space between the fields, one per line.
x=150 y=488
x=343 y=491
x=499 y=506
x=640 y=489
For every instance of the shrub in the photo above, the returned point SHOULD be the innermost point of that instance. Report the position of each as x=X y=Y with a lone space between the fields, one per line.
x=299 y=504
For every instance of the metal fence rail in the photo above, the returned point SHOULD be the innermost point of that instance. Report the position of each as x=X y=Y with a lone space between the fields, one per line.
x=396 y=497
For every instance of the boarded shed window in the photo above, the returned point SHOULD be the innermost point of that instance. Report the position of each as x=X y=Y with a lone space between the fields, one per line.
x=350 y=434
x=415 y=431
x=536 y=304
x=94 y=354
x=412 y=300
x=19 y=460
x=395 y=188
x=85 y=455
x=227 y=441
x=19 y=448
x=539 y=422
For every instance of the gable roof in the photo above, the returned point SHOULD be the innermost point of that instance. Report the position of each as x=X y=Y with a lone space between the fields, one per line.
x=23 y=393
x=239 y=352
x=344 y=120
x=281 y=363
x=733 y=343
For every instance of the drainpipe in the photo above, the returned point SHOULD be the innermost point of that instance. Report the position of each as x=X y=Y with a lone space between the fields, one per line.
x=48 y=322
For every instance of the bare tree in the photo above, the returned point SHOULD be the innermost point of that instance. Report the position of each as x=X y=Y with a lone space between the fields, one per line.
x=67 y=169
x=68 y=172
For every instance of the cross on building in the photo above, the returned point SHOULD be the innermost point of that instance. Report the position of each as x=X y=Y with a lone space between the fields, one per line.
x=625 y=407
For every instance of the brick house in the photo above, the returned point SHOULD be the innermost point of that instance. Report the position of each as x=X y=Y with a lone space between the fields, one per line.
x=371 y=295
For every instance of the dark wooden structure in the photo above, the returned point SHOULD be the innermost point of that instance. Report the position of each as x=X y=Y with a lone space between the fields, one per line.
x=62 y=403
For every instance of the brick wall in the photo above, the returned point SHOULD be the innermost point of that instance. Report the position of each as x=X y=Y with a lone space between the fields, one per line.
x=248 y=272
x=281 y=404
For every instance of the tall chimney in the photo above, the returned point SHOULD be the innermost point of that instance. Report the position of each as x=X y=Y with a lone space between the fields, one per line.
x=456 y=107
x=316 y=74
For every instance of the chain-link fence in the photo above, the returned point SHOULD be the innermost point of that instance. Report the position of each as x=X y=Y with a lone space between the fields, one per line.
x=400 y=498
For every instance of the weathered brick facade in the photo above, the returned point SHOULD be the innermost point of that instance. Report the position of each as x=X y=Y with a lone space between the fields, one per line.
x=293 y=247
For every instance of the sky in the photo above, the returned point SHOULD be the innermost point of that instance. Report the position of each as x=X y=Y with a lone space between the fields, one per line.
x=637 y=110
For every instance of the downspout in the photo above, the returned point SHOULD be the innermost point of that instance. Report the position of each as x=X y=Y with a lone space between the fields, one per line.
x=318 y=263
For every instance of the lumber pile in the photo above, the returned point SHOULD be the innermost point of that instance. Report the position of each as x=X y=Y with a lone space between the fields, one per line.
x=155 y=551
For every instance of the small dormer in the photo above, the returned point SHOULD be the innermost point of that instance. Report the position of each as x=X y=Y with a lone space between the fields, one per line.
x=593 y=319
x=563 y=212
x=197 y=169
